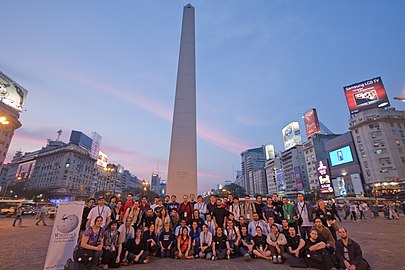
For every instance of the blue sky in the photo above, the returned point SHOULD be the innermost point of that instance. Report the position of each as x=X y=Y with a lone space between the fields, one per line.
x=110 y=67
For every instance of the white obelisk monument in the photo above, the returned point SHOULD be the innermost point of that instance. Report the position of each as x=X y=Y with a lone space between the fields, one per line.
x=182 y=173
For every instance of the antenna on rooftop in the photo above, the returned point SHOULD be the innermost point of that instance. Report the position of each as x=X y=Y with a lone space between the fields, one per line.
x=59 y=133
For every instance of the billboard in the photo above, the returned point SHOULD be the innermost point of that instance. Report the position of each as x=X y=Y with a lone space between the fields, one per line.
x=269 y=149
x=11 y=93
x=366 y=95
x=102 y=160
x=341 y=156
x=291 y=135
x=311 y=122
x=324 y=177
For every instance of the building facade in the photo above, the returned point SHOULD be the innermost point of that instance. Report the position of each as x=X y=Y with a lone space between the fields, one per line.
x=252 y=159
x=379 y=137
x=271 y=167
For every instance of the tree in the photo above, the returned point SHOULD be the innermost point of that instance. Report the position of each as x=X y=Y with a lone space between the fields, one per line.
x=233 y=189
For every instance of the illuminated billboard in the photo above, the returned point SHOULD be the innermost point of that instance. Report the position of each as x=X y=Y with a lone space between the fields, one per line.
x=102 y=160
x=366 y=95
x=341 y=156
x=269 y=149
x=324 y=178
x=11 y=93
x=291 y=135
x=311 y=123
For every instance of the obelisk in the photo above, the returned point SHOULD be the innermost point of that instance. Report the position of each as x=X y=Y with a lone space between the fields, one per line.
x=182 y=173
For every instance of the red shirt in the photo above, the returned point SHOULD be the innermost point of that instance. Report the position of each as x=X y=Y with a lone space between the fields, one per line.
x=127 y=205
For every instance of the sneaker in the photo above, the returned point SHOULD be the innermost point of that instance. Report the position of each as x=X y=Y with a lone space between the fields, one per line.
x=247 y=257
x=197 y=256
x=274 y=259
x=228 y=257
x=279 y=260
x=213 y=258
x=105 y=266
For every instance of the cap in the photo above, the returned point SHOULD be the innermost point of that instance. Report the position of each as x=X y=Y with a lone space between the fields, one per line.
x=101 y=197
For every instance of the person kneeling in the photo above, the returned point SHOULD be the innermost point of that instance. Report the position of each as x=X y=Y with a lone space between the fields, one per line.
x=220 y=246
x=112 y=248
x=184 y=245
x=136 y=252
x=205 y=243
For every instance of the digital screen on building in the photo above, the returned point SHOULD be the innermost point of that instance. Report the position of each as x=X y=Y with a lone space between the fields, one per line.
x=324 y=177
x=11 y=93
x=291 y=135
x=366 y=95
x=341 y=156
x=311 y=122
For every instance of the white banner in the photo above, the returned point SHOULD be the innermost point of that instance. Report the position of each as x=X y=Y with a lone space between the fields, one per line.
x=64 y=234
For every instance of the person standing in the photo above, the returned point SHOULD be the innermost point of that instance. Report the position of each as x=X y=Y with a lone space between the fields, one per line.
x=185 y=209
x=19 y=214
x=235 y=208
x=288 y=214
x=353 y=210
x=135 y=213
x=259 y=206
x=211 y=205
x=346 y=210
x=269 y=209
x=42 y=215
x=279 y=207
x=128 y=203
x=327 y=217
x=219 y=214
x=303 y=215
x=100 y=210
x=85 y=214
x=248 y=208
x=173 y=205
x=334 y=210
x=201 y=207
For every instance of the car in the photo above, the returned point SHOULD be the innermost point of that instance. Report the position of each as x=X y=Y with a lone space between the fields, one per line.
x=51 y=212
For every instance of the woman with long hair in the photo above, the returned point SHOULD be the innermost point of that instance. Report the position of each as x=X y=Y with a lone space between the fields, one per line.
x=184 y=250
x=136 y=252
x=162 y=220
x=92 y=240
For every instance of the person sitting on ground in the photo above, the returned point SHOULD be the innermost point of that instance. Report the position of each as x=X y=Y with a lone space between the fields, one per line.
x=136 y=252
x=184 y=250
x=205 y=243
x=325 y=235
x=276 y=242
x=93 y=239
x=166 y=242
x=150 y=239
x=112 y=248
x=220 y=246
x=127 y=232
x=261 y=248
x=246 y=244
x=195 y=238
x=349 y=253
x=210 y=223
x=295 y=243
x=316 y=256
x=233 y=235
x=148 y=219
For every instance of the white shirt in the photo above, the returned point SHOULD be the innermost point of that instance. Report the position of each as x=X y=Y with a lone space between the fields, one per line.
x=303 y=212
x=202 y=209
x=103 y=211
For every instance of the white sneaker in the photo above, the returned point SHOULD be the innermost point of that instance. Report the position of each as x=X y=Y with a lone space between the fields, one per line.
x=279 y=260
x=274 y=259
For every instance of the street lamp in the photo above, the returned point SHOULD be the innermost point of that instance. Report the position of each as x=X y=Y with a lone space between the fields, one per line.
x=4 y=121
x=400 y=98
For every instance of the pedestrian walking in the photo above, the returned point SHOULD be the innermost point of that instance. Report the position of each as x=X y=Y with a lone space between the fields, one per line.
x=42 y=215
x=19 y=215
x=353 y=210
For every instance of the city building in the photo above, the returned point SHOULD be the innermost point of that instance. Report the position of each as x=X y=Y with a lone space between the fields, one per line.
x=345 y=170
x=182 y=172
x=294 y=171
x=259 y=180
x=379 y=138
x=12 y=98
x=315 y=151
x=252 y=159
x=155 y=183
x=273 y=184
x=81 y=139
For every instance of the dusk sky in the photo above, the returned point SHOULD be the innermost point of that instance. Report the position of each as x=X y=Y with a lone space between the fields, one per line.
x=110 y=67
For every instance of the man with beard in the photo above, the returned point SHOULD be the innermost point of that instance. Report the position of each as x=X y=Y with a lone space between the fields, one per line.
x=349 y=253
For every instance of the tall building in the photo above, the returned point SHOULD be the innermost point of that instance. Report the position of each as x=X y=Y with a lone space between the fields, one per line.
x=345 y=170
x=271 y=167
x=315 y=151
x=12 y=98
x=294 y=170
x=182 y=173
x=96 y=144
x=81 y=139
x=155 y=183
x=252 y=160
x=379 y=137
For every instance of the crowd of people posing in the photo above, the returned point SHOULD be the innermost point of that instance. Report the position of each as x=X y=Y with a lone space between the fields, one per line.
x=124 y=233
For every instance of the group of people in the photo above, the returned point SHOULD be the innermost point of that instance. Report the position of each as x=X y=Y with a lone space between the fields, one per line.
x=130 y=232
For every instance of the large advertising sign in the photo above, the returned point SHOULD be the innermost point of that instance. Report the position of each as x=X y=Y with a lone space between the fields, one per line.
x=324 y=177
x=11 y=93
x=311 y=123
x=341 y=156
x=269 y=151
x=366 y=95
x=280 y=180
x=64 y=235
x=102 y=159
x=291 y=135
x=24 y=171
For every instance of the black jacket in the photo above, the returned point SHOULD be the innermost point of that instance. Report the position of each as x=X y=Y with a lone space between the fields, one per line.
x=355 y=253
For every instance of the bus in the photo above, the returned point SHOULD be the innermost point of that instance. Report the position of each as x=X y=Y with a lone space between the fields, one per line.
x=9 y=206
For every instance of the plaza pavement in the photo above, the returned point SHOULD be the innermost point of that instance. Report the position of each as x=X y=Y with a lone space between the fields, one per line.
x=382 y=242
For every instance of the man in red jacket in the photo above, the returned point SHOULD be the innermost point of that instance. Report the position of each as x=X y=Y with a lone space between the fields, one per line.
x=185 y=209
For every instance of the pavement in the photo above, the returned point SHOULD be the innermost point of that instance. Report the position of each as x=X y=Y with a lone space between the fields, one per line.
x=382 y=242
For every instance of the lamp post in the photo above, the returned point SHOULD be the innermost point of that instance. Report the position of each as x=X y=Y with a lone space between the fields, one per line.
x=4 y=121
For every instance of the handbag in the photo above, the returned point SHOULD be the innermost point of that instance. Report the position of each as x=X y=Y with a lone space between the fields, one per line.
x=297 y=262
x=84 y=255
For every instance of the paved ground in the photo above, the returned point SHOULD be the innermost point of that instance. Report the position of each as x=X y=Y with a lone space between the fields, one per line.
x=382 y=242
